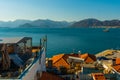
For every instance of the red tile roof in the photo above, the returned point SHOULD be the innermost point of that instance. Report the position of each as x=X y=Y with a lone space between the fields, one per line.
x=57 y=57
x=98 y=76
x=117 y=68
x=49 y=76
x=61 y=60
x=117 y=61
x=88 y=58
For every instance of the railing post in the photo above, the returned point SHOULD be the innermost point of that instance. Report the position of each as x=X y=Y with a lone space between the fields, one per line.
x=40 y=44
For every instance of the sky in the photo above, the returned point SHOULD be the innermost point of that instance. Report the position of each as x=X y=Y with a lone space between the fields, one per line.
x=59 y=10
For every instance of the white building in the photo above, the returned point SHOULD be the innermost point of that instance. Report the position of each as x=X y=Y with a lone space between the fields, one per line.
x=22 y=64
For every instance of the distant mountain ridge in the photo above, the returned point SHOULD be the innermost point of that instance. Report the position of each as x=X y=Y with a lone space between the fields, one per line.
x=15 y=23
x=35 y=23
x=46 y=24
x=96 y=23
x=91 y=22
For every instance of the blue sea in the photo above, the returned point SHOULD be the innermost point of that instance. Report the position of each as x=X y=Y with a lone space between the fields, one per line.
x=67 y=40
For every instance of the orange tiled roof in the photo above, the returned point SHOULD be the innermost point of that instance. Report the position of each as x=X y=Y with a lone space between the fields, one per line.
x=61 y=60
x=35 y=50
x=117 y=61
x=98 y=76
x=117 y=68
x=84 y=55
x=48 y=76
x=89 y=58
x=57 y=57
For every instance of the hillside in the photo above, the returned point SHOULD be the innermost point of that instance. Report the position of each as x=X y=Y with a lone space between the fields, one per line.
x=15 y=23
x=35 y=23
x=46 y=24
x=91 y=22
x=96 y=23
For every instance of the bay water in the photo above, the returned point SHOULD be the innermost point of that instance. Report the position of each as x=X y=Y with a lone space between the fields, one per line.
x=67 y=40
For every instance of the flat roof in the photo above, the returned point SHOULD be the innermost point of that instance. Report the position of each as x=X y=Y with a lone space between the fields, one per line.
x=76 y=58
x=12 y=39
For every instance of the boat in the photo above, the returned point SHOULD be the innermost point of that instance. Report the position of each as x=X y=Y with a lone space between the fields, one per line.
x=106 y=30
x=19 y=60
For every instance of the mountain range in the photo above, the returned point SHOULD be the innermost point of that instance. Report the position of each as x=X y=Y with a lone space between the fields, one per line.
x=96 y=23
x=36 y=23
x=15 y=23
x=91 y=22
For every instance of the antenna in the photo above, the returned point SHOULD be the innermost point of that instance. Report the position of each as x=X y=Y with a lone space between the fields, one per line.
x=46 y=42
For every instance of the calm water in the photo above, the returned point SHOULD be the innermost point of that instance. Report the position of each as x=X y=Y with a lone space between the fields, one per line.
x=64 y=40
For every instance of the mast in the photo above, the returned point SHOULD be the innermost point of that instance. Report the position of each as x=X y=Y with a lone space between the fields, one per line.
x=46 y=43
